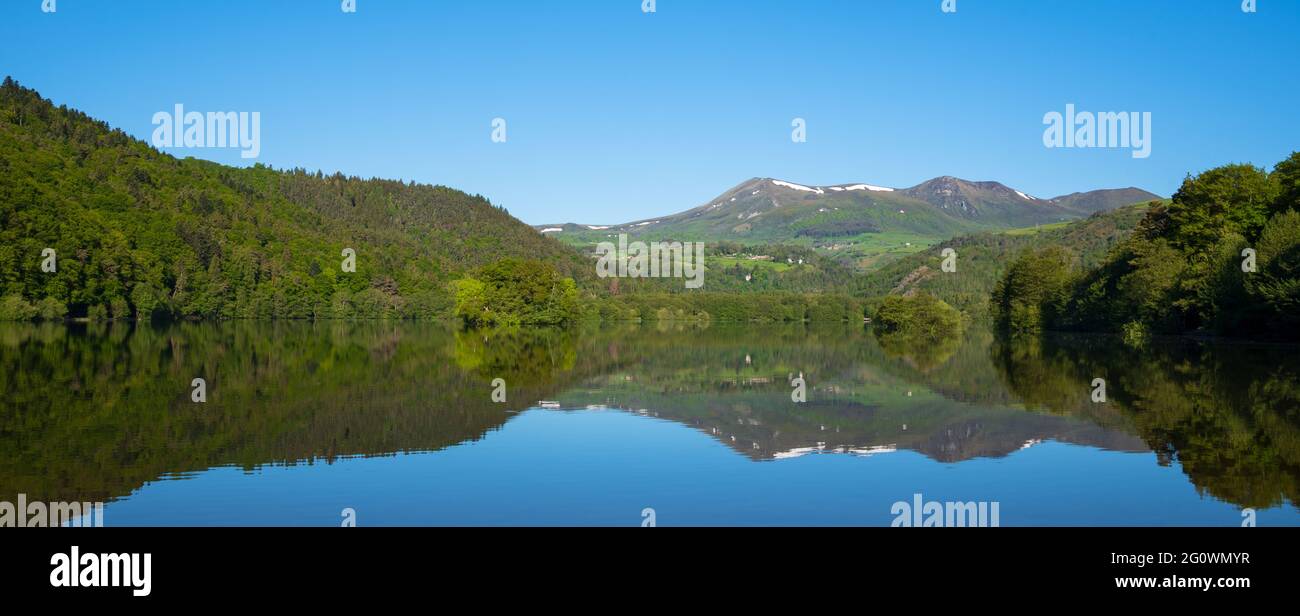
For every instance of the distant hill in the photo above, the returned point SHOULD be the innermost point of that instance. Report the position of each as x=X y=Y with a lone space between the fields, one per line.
x=982 y=258
x=1095 y=201
x=766 y=209
x=860 y=223
x=139 y=233
x=995 y=204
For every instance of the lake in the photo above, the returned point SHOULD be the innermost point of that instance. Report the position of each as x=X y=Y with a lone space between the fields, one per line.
x=395 y=423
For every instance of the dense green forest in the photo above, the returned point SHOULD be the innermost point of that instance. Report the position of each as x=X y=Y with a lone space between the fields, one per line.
x=517 y=292
x=1223 y=256
x=141 y=234
x=769 y=307
x=983 y=258
x=918 y=314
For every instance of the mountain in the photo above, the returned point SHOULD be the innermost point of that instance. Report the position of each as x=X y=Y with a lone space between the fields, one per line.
x=989 y=203
x=860 y=222
x=766 y=208
x=138 y=233
x=995 y=204
x=1095 y=201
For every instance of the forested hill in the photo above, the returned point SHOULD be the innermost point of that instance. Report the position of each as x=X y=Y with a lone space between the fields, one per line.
x=983 y=258
x=139 y=233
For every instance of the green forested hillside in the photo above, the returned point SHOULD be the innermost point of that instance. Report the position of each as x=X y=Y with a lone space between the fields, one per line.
x=983 y=258
x=1222 y=256
x=138 y=233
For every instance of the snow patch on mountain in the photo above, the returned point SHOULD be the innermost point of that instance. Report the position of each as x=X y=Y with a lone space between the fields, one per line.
x=862 y=187
x=799 y=187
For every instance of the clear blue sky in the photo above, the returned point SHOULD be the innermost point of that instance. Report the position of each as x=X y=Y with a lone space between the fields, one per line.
x=615 y=115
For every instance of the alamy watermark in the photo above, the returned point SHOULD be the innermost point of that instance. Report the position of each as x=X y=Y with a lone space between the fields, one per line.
x=34 y=514
x=1099 y=390
x=214 y=129
x=498 y=390
x=1107 y=129
x=949 y=263
x=921 y=512
x=653 y=260
x=73 y=569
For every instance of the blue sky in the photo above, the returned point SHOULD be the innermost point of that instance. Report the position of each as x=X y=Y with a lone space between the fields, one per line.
x=615 y=115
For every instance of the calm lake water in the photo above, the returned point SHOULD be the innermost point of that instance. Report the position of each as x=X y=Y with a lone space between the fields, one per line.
x=396 y=421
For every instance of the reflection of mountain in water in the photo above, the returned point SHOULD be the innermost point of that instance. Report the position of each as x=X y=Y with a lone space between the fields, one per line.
x=984 y=433
x=864 y=398
x=91 y=413
x=871 y=412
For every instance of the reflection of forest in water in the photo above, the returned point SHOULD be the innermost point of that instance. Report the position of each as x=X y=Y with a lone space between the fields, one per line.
x=94 y=412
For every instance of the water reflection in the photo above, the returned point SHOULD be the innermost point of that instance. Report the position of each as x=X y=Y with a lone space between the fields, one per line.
x=1228 y=413
x=95 y=412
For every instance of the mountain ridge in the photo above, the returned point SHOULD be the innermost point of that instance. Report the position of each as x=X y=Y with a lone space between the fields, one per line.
x=945 y=191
